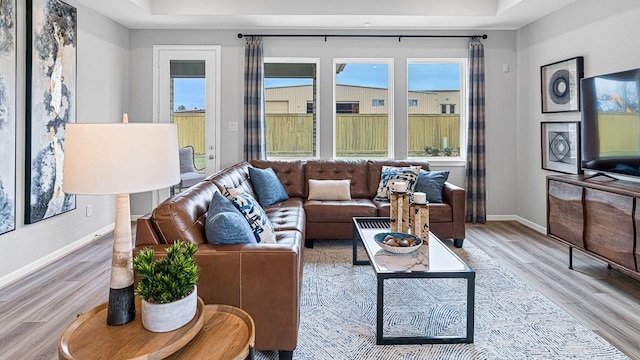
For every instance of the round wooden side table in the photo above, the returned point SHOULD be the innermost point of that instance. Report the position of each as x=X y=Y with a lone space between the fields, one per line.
x=89 y=337
x=228 y=334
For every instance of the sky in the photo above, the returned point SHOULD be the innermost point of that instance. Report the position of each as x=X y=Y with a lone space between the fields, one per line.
x=188 y=92
x=191 y=93
x=421 y=77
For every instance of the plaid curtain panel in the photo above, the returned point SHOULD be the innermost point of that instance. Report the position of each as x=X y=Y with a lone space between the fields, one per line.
x=476 y=209
x=255 y=147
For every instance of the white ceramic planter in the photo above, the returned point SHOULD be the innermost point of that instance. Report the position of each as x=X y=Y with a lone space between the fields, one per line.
x=168 y=317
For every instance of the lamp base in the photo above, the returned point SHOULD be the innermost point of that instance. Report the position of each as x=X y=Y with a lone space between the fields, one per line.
x=122 y=308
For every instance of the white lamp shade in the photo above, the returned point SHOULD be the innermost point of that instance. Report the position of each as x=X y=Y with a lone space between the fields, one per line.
x=120 y=158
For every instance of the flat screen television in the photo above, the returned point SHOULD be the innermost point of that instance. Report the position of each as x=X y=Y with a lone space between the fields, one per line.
x=611 y=123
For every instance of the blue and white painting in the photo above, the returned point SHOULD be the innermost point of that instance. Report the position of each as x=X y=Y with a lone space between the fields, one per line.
x=51 y=96
x=7 y=115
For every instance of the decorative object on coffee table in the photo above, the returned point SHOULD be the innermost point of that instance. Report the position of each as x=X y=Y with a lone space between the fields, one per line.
x=398 y=243
x=124 y=158
x=399 y=211
x=420 y=220
x=167 y=286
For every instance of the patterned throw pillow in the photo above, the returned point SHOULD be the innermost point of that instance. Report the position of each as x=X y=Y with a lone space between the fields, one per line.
x=255 y=215
x=390 y=173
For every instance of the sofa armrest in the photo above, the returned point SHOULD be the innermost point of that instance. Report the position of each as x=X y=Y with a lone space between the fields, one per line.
x=264 y=280
x=145 y=232
x=455 y=197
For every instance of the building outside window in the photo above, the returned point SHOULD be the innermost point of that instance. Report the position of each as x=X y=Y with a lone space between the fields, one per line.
x=437 y=127
x=291 y=111
x=367 y=132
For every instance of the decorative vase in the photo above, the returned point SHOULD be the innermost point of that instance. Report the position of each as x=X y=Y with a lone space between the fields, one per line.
x=170 y=316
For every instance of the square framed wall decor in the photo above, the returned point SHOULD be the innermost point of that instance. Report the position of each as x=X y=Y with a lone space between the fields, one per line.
x=560 y=85
x=561 y=147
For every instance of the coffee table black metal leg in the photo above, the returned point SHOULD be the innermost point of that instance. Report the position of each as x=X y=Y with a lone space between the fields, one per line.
x=471 y=301
x=380 y=312
x=355 y=240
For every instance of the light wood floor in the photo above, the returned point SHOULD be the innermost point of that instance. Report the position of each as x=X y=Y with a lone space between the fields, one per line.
x=35 y=310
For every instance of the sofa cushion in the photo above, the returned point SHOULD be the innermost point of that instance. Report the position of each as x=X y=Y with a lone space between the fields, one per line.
x=329 y=189
x=287 y=215
x=338 y=211
x=431 y=183
x=267 y=186
x=225 y=224
x=253 y=213
x=390 y=173
x=354 y=170
x=290 y=173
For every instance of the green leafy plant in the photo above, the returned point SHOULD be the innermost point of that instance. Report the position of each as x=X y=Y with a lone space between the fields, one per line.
x=168 y=278
x=432 y=150
x=448 y=151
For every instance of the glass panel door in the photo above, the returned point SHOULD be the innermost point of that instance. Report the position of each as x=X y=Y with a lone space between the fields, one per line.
x=187 y=93
x=188 y=112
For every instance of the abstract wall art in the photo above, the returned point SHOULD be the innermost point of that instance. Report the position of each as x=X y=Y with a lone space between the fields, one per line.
x=50 y=105
x=7 y=115
x=561 y=147
x=560 y=85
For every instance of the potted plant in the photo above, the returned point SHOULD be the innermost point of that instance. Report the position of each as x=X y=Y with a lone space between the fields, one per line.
x=167 y=286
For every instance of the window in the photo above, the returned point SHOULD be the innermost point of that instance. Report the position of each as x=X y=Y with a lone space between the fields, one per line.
x=363 y=118
x=436 y=128
x=345 y=107
x=413 y=102
x=291 y=112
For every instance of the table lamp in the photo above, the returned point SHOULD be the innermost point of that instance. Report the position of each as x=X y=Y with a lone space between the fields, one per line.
x=119 y=159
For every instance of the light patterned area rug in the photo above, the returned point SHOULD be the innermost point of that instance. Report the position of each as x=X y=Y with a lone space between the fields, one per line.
x=512 y=320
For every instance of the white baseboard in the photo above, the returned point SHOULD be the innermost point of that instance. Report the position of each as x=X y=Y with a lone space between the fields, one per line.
x=48 y=259
x=521 y=220
x=532 y=225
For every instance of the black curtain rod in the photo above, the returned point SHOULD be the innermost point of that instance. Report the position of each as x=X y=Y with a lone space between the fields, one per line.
x=325 y=36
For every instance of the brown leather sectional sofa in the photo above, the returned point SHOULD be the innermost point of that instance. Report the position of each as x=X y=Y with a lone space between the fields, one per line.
x=266 y=280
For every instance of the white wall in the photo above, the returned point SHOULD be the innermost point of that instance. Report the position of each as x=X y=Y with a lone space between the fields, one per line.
x=500 y=92
x=605 y=33
x=102 y=96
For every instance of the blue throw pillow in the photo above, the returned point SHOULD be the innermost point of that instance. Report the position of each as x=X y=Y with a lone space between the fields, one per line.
x=267 y=186
x=431 y=183
x=225 y=224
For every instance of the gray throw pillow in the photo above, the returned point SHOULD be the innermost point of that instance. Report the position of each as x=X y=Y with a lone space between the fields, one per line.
x=432 y=183
x=225 y=224
x=267 y=186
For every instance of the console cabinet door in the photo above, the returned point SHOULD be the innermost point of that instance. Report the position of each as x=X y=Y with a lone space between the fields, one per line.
x=565 y=216
x=637 y=220
x=609 y=230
